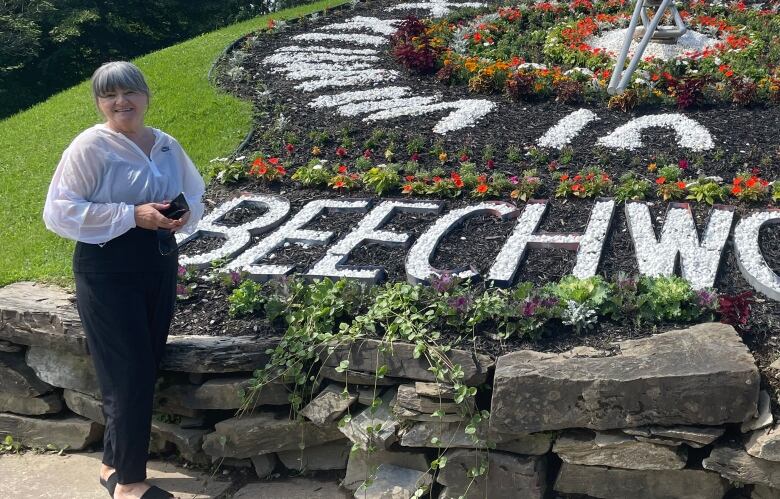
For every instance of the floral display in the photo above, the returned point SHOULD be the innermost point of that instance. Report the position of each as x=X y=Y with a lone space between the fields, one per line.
x=566 y=51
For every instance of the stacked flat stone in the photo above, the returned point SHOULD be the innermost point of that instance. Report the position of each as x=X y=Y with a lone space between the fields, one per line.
x=633 y=421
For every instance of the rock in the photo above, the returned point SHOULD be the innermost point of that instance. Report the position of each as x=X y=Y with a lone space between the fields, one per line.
x=30 y=406
x=196 y=423
x=351 y=378
x=408 y=398
x=764 y=492
x=614 y=483
x=66 y=432
x=188 y=442
x=700 y=375
x=40 y=315
x=63 y=369
x=765 y=444
x=263 y=433
x=394 y=482
x=17 y=378
x=264 y=465
x=368 y=355
x=366 y=396
x=453 y=435
x=764 y=417
x=8 y=347
x=158 y=445
x=507 y=475
x=374 y=426
x=362 y=464
x=737 y=465
x=328 y=405
x=330 y=456
x=84 y=405
x=617 y=450
x=407 y=414
x=216 y=354
x=434 y=390
x=693 y=436
x=219 y=394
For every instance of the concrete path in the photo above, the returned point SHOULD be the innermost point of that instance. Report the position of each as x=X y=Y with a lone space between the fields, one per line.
x=70 y=476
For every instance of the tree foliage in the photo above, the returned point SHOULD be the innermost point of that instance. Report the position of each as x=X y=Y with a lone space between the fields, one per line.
x=46 y=46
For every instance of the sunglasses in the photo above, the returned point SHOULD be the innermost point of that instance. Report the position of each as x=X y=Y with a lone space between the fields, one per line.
x=166 y=242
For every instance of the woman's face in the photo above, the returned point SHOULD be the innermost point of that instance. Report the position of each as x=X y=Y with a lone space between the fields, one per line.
x=124 y=109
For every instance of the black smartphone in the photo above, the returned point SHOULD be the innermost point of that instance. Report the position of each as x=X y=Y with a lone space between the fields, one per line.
x=178 y=207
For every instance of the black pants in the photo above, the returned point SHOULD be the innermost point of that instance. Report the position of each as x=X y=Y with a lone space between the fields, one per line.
x=126 y=317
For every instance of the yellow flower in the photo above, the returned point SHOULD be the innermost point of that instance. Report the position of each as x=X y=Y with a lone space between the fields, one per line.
x=470 y=65
x=315 y=151
x=651 y=167
x=442 y=156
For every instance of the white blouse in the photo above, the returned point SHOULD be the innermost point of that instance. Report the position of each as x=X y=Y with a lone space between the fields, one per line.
x=102 y=176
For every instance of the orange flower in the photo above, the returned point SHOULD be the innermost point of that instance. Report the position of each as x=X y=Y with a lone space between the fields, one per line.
x=736 y=190
x=482 y=179
x=407 y=188
x=281 y=171
x=409 y=178
x=681 y=184
x=576 y=187
x=436 y=179
x=273 y=161
x=338 y=184
x=564 y=177
x=342 y=169
x=660 y=180
x=257 y=162
x=753 y=181
x=482 y=188
x=737 y=180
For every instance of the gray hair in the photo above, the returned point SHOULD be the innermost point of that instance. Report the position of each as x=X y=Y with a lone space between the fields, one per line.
x=118 y=75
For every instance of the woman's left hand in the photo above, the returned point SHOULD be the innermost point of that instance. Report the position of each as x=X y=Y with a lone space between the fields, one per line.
x=178 y=224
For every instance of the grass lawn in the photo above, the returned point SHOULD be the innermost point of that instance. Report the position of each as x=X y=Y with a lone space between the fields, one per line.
x=207 y=122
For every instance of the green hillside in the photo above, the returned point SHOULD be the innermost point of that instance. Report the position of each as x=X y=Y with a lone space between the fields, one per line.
x=207 y=122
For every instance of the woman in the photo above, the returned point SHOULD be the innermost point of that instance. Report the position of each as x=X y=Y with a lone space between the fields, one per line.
x=108 y=193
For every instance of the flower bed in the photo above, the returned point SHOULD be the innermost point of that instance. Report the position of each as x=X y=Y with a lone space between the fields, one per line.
x=566 y=51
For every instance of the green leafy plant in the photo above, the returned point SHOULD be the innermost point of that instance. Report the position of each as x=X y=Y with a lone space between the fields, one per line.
x=631 y=188
x=248 y=298
x=666 y=298
x=314 y=173
x=226 y=171
x=382 y=178
x=706 y=190
x=10 y=446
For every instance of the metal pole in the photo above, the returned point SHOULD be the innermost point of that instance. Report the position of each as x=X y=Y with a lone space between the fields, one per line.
x=642 y=45
x=612 y=89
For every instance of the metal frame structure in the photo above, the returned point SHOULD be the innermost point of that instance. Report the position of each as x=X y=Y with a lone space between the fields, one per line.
x=650 y=30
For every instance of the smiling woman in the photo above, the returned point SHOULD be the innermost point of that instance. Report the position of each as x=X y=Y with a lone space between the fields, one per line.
x=109 y=193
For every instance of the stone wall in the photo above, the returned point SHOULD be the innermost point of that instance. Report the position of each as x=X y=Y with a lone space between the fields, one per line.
x=678 y=414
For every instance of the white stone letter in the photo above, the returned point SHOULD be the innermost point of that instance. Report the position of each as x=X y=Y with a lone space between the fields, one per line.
x=332 y=264
x=418 y=260
x=236 y=238
x=749 y=258
x=587 y=245
x=699 y=261
x=294 y=232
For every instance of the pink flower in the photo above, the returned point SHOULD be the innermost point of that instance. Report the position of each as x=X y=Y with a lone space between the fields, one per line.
x=514 y=180
x=683 y=164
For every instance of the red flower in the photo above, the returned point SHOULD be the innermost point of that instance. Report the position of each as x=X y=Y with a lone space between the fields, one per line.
x=564 y=177
x=490 y=164
x=407 y=188
x=753 y=181
x=477 y=37
x=436 y=179
x=464 y=157
x=261 y=170
x=681 y=185
x=683 y=164
x=660 y=180
x=736 y=190
x=257 y=162
x=409 y=178
x=590 y=176
x=338 y=184
x=576 y=187
x=289 y=148
x=341 y=152
x=737 y=180
x=273 y=161
x=342 y=169
x=457 y=180
x=415 y=157
x=577 y=178
x=482 y=188
x=368 y=153
x=482 y=179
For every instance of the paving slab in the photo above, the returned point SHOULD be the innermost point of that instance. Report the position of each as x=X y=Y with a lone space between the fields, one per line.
x=293 y=488
x=38 y=476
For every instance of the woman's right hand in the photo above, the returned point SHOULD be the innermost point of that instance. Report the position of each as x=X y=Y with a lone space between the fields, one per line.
x=148 y=216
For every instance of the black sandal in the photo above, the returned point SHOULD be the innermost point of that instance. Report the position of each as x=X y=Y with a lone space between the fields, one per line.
x=156 y=493
x=110 y=484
